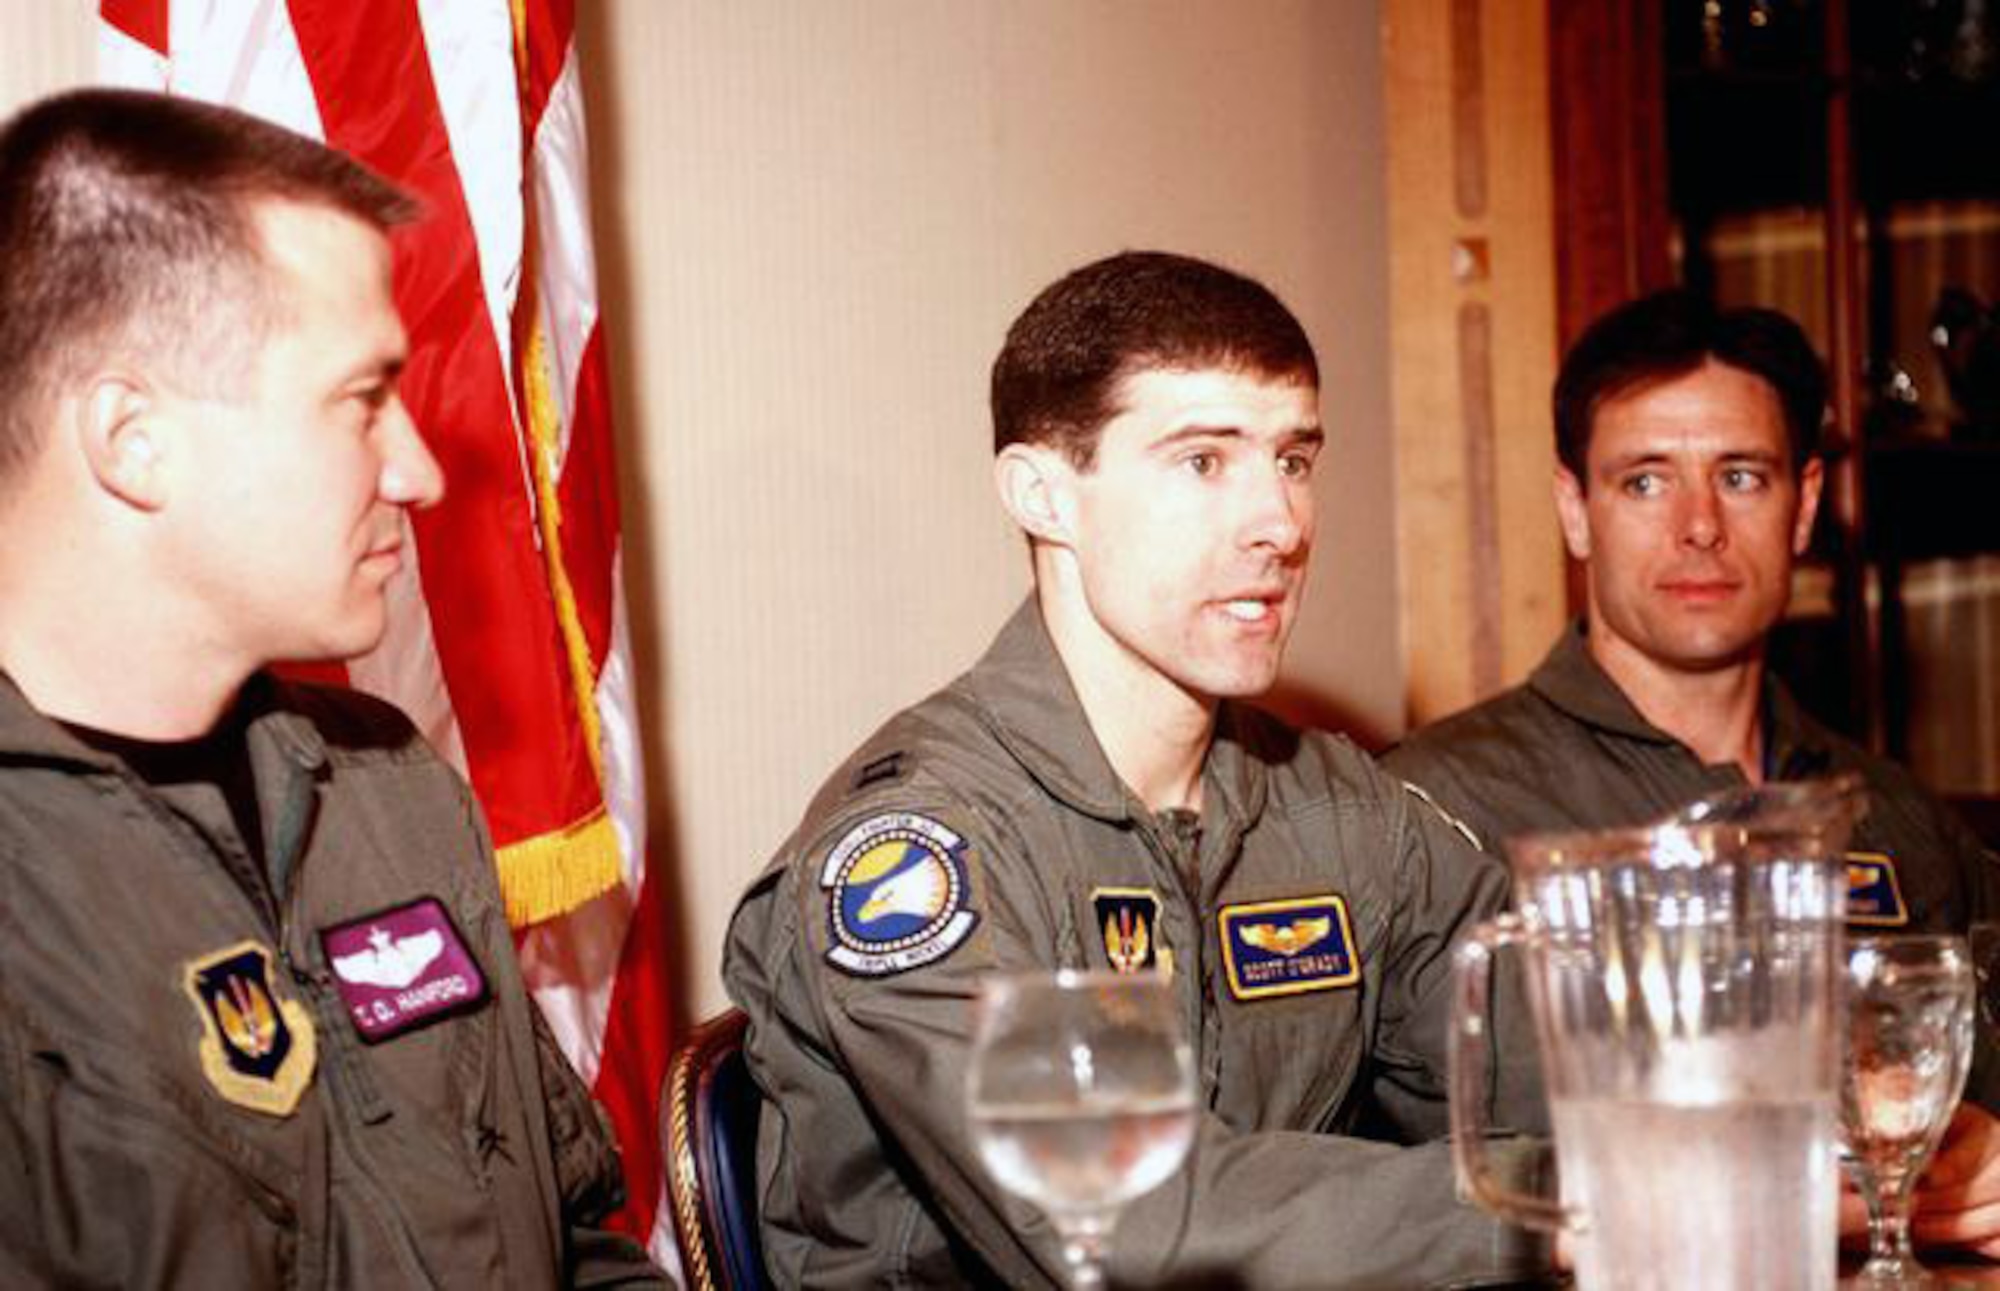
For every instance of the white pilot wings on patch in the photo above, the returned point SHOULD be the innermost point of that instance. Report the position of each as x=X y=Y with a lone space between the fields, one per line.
x=390 y=962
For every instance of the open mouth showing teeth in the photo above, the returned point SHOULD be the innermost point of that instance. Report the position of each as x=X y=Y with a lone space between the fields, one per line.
x=1246 y=611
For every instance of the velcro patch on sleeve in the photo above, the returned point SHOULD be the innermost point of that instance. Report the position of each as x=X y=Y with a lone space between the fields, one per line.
x=896 y=895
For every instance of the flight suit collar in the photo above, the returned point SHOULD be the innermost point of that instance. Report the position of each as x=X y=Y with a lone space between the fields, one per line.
x=286 y=750
x=1795 y=746
x=1024 y=691
x=1571 y=680
x=27 y=733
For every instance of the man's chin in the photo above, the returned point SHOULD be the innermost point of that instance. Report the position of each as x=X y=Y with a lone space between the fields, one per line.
x=1712 y=654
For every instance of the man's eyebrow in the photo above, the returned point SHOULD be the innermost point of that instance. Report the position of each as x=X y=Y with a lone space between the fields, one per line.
x=1650 y=456
x=381 y=367
x=1205 y=430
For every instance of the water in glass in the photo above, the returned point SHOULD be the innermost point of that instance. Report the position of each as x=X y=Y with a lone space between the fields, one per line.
x=1081 y=1097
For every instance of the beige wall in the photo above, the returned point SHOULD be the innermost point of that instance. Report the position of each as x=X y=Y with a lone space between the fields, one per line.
x=815 y=221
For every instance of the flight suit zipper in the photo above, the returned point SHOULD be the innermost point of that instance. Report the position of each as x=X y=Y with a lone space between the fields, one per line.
x=352 y=1088
x=1178 y=849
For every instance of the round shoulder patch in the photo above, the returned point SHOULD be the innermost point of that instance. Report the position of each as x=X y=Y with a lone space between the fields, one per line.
x=896 y=895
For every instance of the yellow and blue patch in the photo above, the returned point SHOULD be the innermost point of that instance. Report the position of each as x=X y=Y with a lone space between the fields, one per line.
x=1129 y=920
x=1874 y=898
x=1288 y=947
x=896 y=895
x=256 y=1050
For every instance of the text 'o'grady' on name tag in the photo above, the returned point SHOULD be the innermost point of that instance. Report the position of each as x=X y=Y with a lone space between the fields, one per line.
x=1287 y=947
x=402 y=968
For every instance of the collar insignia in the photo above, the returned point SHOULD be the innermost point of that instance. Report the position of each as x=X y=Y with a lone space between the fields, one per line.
x=1129 y=919
x=896 y=895
x=257 y=1050
x=1287 y=947
x=402 y=968
x=1874 y=898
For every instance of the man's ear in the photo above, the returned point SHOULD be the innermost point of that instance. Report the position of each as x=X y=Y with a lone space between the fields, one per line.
x=117 y=426
x=1812 y=482
x=1573 y=513
x=1037 y=486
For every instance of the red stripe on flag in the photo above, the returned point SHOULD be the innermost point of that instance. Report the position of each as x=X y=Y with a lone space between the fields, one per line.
x=143 y=20
x=589 y=497
x=550 y=24
x=637 y=1044
x=491 y=613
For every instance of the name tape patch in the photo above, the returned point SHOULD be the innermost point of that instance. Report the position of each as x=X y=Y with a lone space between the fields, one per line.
x=403 y=968
x=256 y=1050
x=1874 y=898
x=896 y=895
x=1288 y=947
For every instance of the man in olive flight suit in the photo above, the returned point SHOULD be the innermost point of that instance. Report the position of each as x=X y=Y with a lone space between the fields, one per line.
x=261 y=1023
x=1092 y=795
x=1687 y=485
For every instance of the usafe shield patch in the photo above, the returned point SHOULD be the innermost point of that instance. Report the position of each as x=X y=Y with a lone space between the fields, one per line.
x=896 y=895
x=402 y=968
x=1288 y=947
x=257 y=1050
x=1129 y=919
x=1874 y=898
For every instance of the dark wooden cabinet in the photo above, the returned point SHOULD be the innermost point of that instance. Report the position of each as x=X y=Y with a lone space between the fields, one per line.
x=1840 y=160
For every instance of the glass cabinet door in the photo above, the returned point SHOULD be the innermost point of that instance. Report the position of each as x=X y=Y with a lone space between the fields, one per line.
x=1841 y=161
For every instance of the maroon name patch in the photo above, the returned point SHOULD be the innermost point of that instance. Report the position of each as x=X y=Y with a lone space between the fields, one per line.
x=402 y=968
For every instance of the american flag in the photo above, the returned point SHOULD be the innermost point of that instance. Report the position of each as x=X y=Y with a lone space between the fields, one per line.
x=508 y=639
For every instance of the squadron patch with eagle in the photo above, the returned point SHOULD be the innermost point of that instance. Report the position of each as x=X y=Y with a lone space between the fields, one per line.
x=896 y=895
x=1288 y=947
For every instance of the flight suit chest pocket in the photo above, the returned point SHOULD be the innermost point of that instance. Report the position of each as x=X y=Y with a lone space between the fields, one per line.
x=1290 y=990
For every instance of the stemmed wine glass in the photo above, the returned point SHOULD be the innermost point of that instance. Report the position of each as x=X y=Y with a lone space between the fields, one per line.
x=1081 y=1096
x=1909 y=1045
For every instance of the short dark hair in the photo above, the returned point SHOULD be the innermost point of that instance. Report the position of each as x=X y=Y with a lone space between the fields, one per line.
x=127 y=224
x=1669 y=334
x=1056 y=380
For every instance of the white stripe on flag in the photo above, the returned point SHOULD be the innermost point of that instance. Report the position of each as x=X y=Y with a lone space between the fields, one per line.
x=471 y=48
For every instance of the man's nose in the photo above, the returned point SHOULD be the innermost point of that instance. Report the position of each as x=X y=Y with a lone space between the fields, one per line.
x=411 y=476
x=1280 y=513
x=1700 y=518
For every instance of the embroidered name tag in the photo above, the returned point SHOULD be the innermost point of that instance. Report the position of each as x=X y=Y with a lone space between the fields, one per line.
x=896 y=895
x=256 y=1050
x=1129 y=920
x=402 y=968
x=1286 y=947
x=1874 y=900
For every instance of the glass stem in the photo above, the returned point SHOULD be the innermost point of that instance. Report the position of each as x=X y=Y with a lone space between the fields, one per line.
x=1083 y=1248
x=1889 y=1219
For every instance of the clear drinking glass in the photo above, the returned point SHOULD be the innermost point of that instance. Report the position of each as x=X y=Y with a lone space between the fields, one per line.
x=1081 y=1097
x=1909 y=1044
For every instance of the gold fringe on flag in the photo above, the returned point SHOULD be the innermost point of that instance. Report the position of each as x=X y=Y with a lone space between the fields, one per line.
x=547 y=876
x=551 y=874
